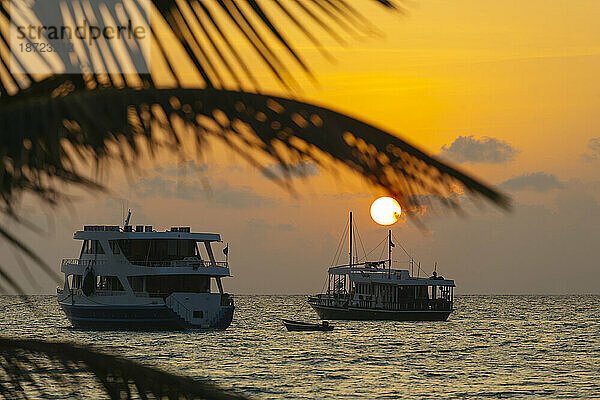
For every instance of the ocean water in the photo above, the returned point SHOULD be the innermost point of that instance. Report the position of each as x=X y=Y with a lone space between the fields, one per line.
x=491 y=347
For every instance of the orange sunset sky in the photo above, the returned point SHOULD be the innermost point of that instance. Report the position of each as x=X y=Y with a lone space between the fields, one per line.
x=508 y=91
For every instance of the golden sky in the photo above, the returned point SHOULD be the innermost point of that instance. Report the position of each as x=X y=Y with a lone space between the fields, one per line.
x=524 y=74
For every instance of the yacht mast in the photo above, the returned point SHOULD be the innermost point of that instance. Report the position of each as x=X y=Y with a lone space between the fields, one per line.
x=390 y=245
x=350 y=253
x=128 y=218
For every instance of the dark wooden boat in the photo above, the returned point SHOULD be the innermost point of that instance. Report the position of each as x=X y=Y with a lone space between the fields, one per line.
x=294 y=326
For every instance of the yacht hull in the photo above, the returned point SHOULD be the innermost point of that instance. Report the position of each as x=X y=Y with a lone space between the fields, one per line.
x=158 y=317
x=364 y=314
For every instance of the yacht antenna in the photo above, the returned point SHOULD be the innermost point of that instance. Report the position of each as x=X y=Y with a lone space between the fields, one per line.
x=128 y=217
x=350 y=239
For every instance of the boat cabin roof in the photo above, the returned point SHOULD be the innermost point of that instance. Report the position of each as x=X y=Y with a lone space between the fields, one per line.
x=147 y=232
x=369 y=273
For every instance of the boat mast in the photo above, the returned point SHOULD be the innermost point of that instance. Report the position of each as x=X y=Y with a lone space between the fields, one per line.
x=390 y=245
x=128 y=218
x=350 y=253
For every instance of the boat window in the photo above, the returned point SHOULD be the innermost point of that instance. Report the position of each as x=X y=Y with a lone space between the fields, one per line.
x=85 y=247
x=114 y=246
x=74 y=281
x=92 y=247
x=198 y=314
x=143 y=251
x=166 y=284
x=172 y=246
x=108 y=283
x=137 y=283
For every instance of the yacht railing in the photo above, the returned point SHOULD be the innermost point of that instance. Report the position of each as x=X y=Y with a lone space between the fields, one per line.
x=81 y=263
x=104 y=292
x=172 y=263
x=182 y=263
x=402 y=305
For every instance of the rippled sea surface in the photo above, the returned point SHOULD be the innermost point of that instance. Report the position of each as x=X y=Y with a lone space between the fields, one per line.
x=491 y=347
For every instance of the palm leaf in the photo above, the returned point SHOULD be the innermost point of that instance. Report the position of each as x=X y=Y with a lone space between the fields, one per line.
x=62 y=120
x=50 y=124
x=205 y=29
x=287 y=131
x=32 y=369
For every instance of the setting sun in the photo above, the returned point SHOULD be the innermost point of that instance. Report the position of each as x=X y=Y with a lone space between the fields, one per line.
x=385 y=211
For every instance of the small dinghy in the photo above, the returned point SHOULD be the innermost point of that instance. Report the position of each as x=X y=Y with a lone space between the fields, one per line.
x=305 y=326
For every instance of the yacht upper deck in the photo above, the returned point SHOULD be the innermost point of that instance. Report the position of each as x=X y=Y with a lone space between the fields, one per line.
x=143 y=232
x=135 y=249
x=375 y=272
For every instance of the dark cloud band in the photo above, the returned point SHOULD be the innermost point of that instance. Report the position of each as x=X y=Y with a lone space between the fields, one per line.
x=485 y=150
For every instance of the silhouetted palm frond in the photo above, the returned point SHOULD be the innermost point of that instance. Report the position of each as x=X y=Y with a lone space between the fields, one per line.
x=88 y=110
x=287 y=131
x=33 y=369
x=54 y=123
x=215 y=35
x=51 y=124
x=50 y=121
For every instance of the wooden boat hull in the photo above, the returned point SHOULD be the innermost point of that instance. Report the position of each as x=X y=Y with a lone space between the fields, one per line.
x=293 y=326
x=363 y=314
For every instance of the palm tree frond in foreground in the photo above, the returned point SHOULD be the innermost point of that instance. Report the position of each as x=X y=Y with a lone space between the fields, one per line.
x=59 y=120
x=52 y=123
x=32 y=369
x=287 y=131
x=217 y=37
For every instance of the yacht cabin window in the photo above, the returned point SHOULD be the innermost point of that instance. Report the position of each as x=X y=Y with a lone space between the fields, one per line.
x=75 y=281
x=108 y=283
x=164 y=285
x=92 y=247
x=143 y=250
x=114 y=246
x=137 y=283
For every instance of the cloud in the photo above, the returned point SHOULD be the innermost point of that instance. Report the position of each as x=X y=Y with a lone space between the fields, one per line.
x=537 y=182
x=181 y=169
x=222 y=194
x=303 y=169
x=349 y=195
x=426 y=204
x=418 y=205
x=485 y=150
x=593 y=153
x=191 y=169
x=261 y=225
x=535 y=249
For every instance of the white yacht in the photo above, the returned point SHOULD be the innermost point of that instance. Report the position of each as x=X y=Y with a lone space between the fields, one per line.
x=139 y=278
x=373 y=290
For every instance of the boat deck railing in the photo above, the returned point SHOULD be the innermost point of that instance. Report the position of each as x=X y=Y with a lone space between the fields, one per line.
x=181 y=263
x=108 y=292
x=81 y=263
x=171 y=263
x=402 y=305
